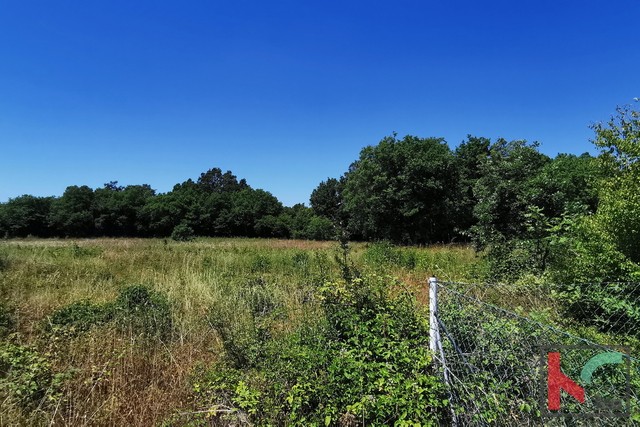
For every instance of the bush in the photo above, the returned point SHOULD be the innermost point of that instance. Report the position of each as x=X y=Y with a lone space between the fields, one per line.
x=320 y=228
x=28 y=378
x=138 y=310
x=78 y=317
x=499 y=348
x=183 y=233
x=143 y=311
x=260 y=264
x=361 y=356
x=241 y=318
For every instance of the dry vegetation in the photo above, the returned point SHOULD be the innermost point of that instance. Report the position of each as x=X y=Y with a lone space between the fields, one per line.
x=119 y=376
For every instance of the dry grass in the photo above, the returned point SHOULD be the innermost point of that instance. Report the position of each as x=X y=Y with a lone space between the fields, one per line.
x=119 y=382
x=117 y=378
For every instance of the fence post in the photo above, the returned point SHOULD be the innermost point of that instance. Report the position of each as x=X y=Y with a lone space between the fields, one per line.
x=434 y=336
x=434 y=339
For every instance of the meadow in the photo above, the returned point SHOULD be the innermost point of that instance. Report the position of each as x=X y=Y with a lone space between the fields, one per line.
x=216 y=331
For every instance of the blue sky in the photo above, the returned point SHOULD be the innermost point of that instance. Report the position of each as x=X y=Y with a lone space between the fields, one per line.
x=286 y=93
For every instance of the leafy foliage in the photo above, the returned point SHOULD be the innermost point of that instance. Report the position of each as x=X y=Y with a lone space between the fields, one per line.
x=72 y=213
x=28 y=377
x=402 y=191
x=25 y=215
x=605 y=246
x=78 y=317
x=143 y=311
x=364 y=358
x=327 y=200
x=138 y=310
x=182 y=233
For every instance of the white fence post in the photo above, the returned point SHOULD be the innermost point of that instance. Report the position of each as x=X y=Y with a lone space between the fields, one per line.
x=434 y=336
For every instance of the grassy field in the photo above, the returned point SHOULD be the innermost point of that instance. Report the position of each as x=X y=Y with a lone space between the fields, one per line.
x=121 y=331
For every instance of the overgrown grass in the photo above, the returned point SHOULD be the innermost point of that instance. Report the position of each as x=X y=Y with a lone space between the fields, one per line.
x=228 y=331
x=119 y=326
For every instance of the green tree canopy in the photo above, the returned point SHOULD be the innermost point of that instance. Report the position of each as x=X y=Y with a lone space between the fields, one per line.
x=618 y=213
x=25 y=215
x=327 y=201
x=403 y=190
x=503 y=190
x=72 y=213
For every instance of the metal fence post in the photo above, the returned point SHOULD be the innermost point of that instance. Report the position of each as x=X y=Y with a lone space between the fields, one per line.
x=434 y=339
x=434 y=336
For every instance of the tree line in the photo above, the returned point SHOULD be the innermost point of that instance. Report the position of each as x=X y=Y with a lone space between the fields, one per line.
x=216 y=204
x=523 y=209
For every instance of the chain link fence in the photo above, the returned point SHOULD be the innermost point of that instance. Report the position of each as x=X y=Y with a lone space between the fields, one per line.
x=496 y=344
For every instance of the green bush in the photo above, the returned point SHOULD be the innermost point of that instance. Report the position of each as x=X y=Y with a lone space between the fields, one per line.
x=498 y=348
x=361 y=356
x=183 y=233
x=27 y=377
x=260 y=264
x=143 y=311
x=78 y=317
x=320 y=228
x=138 y=310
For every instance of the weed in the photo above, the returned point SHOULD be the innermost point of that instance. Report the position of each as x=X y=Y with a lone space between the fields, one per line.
x=133 y=345
x=143 y=311
x=84 y=252
x=359 y=356
x=260 y=264
x=4 y=261
x=7 y=321
x=27 y=377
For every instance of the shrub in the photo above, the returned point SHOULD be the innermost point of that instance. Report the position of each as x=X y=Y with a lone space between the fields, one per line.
x=78 y=317
x=85 y=252
x=183 y=233
x=260 y=264
x=320 y=228
x=361 y=356
x=499 y=350
x=385 y=253
x=143 y=311
x=28 y=378
x=240 y=321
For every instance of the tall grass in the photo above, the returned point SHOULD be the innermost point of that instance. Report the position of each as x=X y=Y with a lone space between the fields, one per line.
x=116 y=376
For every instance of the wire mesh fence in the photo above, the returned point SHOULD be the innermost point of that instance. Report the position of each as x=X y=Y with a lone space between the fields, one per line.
x=498 y=344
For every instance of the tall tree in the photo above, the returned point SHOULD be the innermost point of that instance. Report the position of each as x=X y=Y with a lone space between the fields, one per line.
x=618 y=212
x=470 y=155
x=214 y=181
x=26 y=215
x=327 y=201
x=116 y=209
x=403 y=190
x=503 y=191
x=72 y=214
x=249 y=206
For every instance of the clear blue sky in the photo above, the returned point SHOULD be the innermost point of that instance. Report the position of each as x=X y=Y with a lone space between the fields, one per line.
x=286 y=93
